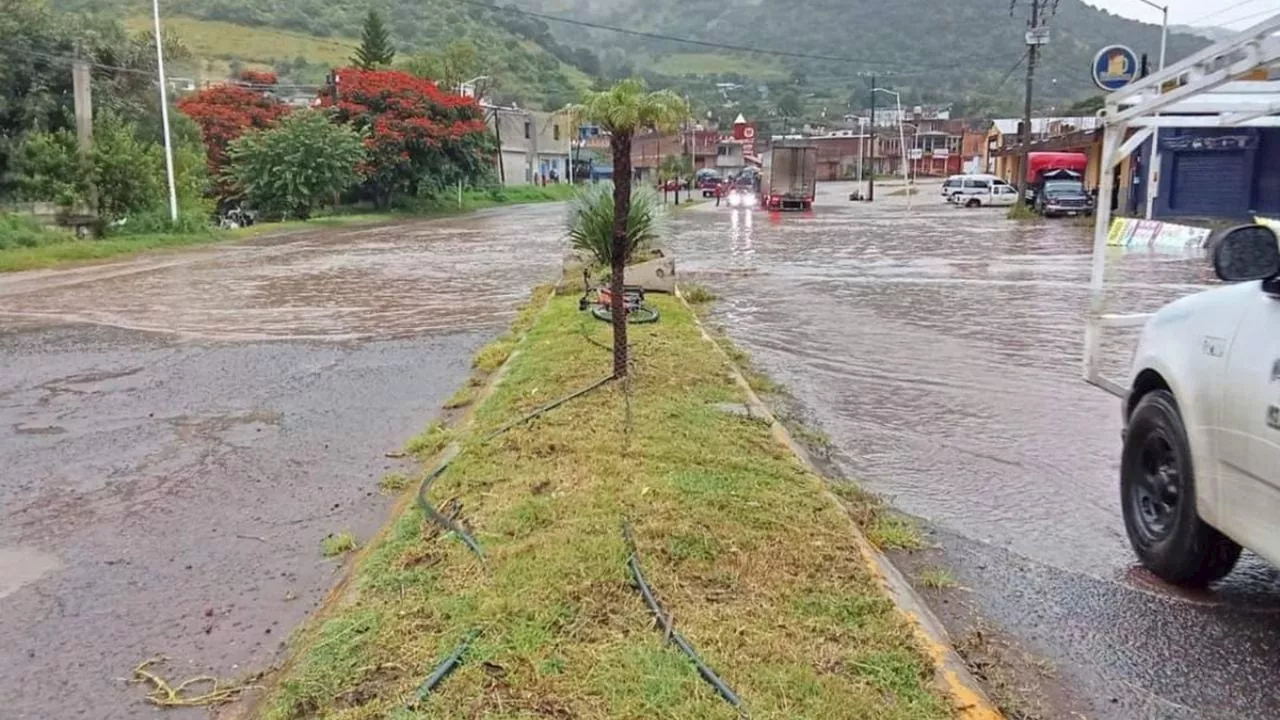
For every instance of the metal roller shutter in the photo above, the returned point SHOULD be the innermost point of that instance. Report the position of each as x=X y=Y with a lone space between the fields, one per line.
x=1208 y=183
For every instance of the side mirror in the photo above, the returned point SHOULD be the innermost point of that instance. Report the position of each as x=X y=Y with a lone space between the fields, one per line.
x=1246 y=252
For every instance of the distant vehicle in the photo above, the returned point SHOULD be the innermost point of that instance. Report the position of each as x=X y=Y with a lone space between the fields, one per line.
x=997 y=195
x=1200 y=469
x=706 y=180
x=959 y=189
x=1045 y=165
x=674 y=184
x=789 y=176
x=1062 y=192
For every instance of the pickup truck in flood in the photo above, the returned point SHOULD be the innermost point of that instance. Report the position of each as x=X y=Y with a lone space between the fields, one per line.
x=1200 y=469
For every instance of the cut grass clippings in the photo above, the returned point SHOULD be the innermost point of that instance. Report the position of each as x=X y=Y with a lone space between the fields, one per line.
x=741 y=543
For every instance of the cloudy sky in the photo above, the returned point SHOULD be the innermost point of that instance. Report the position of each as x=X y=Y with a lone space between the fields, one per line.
x=1237 y=14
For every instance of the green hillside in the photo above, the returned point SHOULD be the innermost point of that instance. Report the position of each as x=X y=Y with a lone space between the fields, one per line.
x=302 y=39
x=933 y=51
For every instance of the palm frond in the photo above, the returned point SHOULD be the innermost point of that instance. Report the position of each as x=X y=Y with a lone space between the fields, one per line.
x=590 y=222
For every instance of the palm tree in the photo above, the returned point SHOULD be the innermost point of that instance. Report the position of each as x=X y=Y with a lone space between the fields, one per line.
x=622 y=111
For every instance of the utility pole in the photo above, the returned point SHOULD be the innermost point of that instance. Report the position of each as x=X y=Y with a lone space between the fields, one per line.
x=871 y=176
x=1024 y=136
x=81 y=91
x=497 y=131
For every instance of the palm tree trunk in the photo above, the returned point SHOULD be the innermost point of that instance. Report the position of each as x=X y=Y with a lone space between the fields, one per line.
x=621 y=145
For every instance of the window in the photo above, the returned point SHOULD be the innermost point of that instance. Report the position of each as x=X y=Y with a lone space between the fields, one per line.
x=555 y=131
x=979 y=184
x=528 y=129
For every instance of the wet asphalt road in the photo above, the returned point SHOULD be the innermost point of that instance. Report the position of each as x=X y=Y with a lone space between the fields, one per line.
x=179 y=432
x=940 y=351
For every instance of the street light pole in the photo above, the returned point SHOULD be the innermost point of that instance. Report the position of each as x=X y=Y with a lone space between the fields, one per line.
x=164 y=115
x=902 y=141
x=1153 y=179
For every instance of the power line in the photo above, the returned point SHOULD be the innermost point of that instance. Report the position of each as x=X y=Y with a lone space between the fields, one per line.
x=1009 y=74
x=1260 y=13
x=1220 y=12
x=72 y=59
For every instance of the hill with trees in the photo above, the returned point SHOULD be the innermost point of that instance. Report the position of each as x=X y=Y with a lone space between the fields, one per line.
x=966 y=52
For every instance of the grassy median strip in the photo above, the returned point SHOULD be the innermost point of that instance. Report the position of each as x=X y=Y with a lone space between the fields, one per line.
x=755 y=566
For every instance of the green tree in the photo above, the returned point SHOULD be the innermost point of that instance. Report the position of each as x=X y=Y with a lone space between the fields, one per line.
x=297 y=165
x=457 y=63
x=622 y=111
x=789 y=106
x=675 y=167
x=375 y=48
x=128 y=174
x=47 y=168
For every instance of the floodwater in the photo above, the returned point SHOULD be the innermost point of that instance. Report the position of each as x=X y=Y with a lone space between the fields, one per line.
x=940 y=349
x=179 y=432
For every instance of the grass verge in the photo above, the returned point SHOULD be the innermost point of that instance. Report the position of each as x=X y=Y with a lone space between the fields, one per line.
x=44 y=248
x=740 y=542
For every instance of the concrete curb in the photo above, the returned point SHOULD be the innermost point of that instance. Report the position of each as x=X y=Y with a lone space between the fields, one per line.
x=952 y=676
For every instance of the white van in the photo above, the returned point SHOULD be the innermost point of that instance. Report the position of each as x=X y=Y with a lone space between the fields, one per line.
x=959 y=189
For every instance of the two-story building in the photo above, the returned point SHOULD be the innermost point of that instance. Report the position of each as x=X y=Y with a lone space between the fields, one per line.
x=533 y=145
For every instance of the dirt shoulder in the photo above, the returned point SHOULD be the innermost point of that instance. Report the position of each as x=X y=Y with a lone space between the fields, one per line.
x=741 y=544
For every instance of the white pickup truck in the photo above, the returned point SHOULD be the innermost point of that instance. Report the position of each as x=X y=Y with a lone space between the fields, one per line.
x=1200 y=470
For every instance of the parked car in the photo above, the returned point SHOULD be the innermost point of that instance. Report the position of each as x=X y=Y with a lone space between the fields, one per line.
x=1066 y=196
x=998 y=195
x=966 y=185
x=1200 y=469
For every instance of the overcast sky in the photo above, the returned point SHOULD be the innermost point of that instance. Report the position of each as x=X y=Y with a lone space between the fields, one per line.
x=1238 y=14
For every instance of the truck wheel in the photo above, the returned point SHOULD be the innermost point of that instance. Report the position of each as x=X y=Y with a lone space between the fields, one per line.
x=1157 y=493
x=973 y=202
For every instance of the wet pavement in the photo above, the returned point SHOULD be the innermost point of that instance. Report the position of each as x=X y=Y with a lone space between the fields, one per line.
x=178 y=432
x=940 y=349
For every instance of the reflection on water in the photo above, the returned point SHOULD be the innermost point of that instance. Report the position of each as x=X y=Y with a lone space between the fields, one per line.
x=941 y=350
x=329 y=285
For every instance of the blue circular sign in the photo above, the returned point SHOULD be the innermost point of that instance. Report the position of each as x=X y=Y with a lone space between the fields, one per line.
x=1114 y=67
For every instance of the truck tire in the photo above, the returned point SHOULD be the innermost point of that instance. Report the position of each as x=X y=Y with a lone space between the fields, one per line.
x=1157 y=494
x=973 y=202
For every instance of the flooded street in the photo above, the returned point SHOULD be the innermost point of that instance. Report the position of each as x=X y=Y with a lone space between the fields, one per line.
x=179 y=432
x=940 y=349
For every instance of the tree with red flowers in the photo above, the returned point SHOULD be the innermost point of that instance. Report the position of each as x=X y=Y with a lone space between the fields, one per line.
x=225 y=112
x=419 y=138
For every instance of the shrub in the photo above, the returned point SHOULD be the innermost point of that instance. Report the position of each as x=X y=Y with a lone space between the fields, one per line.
x=591 y=222
x=297 y=165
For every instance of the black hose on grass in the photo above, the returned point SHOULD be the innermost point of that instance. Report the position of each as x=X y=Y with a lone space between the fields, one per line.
x=445 y=522
x=545 y=408
x=446 y=666
x=668 y=630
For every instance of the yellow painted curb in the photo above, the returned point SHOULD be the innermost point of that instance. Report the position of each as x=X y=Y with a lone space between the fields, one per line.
x=951 y=675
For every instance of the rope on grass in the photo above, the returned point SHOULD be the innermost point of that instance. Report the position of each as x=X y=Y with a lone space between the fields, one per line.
x=446 y=666
x=546 y=408
x=436 y=516
x=165 y=695
x=668 y=628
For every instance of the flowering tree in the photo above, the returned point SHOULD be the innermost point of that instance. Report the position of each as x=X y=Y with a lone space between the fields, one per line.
x=225 y=112
x=419 y=138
